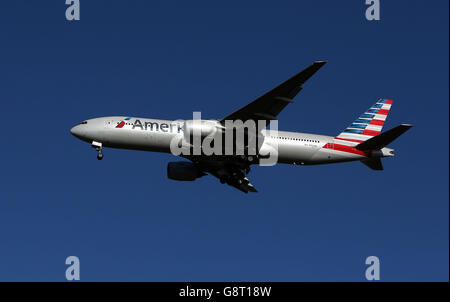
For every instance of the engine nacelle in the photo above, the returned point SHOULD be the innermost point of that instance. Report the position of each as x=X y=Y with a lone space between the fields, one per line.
x=183 y=171
x=200 y=128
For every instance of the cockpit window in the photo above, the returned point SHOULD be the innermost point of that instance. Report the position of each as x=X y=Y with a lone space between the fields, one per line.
x=84 y=122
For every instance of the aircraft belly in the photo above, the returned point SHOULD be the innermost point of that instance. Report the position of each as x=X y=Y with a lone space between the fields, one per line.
x=312 y=155
x=326 y=156
x=294 y=154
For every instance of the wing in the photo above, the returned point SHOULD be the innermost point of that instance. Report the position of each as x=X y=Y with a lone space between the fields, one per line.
x=268 y=106
x=232 y=170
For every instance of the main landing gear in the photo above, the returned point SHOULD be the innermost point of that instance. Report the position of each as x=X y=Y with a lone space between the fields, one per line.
x=98 y=147
x=247 y=169
x=234 y=175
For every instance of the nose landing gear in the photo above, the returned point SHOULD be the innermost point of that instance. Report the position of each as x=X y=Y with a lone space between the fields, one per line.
x=98 y=147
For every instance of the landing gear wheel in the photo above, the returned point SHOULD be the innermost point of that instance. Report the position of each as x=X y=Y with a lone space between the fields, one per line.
x=98 y=147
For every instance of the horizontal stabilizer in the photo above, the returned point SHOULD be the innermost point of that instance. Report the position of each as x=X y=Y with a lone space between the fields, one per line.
x=373 y=163
x=382 y=140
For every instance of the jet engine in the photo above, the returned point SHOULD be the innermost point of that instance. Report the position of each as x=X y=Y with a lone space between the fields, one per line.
x=183 y=171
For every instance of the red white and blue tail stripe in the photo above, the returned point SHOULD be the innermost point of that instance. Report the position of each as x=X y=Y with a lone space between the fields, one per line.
x=368 y=125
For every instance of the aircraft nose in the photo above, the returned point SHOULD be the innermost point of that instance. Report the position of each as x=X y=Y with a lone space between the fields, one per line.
x=76 y=131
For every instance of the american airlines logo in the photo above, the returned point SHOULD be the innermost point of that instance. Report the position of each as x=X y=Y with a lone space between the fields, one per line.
x=152 y=126
x=122 y=123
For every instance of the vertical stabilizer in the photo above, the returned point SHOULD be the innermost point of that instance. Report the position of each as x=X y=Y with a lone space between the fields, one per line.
x=368 y=125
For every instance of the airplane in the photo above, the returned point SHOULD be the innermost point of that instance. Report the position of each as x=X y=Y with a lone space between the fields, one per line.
x=361 y=141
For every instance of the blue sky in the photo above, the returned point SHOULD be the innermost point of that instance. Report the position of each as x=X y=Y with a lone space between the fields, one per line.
x=164 y=59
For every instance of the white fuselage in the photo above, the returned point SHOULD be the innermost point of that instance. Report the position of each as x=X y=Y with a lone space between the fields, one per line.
x=156 y=136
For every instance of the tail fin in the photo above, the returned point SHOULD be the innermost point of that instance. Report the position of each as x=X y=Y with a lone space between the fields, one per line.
x=384 y=139
x=368 y=125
